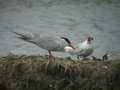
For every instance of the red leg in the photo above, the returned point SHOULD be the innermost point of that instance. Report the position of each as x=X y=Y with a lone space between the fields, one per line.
x=50 y=54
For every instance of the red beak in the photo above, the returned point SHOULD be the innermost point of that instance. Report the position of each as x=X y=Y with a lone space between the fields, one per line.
x=72 y=46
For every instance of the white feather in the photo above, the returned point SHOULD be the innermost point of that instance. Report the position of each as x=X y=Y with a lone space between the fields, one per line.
x=82 y=49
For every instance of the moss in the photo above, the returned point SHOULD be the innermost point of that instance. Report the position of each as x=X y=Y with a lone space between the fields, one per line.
x=23 y=72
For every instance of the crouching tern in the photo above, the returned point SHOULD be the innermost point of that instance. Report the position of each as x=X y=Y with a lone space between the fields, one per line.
x=50 y=43
x=83 y=49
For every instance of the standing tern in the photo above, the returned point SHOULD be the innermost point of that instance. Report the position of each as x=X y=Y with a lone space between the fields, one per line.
x=50 y=43
x=83 y=49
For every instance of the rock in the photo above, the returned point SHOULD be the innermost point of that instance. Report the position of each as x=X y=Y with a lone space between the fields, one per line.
x=105 y=57
x=23 y=72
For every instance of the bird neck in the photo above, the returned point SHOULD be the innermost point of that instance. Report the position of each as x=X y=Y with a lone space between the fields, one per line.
x=88 y=41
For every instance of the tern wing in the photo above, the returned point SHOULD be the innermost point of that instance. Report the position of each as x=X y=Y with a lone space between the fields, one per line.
x=28 y=37
x=51 y=43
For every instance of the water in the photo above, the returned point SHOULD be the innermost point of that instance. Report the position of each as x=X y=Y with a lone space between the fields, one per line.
x=74 y=20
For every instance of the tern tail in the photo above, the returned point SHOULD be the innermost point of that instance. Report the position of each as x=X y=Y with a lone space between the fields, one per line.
x=23 y=37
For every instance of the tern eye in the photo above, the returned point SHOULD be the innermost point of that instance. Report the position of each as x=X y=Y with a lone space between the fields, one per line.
x=92 y=38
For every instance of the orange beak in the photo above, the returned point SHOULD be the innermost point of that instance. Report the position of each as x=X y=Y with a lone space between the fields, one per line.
x=72 y=46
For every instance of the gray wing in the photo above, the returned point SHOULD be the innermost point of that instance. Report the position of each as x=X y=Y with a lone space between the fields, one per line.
x=78 y=50
x=46 y=42
x=84 y=51
x=28 y=37
x=51 y=43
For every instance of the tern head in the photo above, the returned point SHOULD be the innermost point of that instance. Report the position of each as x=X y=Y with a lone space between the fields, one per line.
x=90 y=39
x=68 y=41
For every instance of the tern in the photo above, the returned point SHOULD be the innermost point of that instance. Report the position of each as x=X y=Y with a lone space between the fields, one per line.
x=83 y=49
x=50 y=43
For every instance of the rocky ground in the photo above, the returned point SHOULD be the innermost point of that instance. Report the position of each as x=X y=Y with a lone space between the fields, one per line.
x=23 y=72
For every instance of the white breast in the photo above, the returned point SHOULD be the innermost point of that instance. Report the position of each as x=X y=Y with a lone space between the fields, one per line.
x=81 y=49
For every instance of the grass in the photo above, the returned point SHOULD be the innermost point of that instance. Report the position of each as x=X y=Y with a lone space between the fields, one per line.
x=23 y=72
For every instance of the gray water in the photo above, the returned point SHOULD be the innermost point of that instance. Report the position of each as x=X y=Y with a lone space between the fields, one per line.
x=75 y=20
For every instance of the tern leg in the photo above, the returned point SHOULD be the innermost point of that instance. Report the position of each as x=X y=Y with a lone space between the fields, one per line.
x=50 y=54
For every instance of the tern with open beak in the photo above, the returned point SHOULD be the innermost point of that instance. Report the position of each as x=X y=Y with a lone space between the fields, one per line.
x=83 y=49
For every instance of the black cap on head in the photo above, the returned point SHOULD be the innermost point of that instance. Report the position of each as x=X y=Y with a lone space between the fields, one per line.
x=66 y=39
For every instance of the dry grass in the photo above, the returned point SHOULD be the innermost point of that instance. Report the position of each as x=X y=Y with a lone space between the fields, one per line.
x=22 y=72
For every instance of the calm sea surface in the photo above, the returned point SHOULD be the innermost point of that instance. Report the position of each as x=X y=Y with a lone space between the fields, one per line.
x=75 y=20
